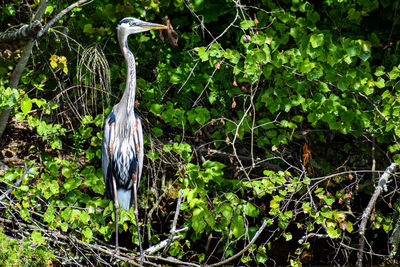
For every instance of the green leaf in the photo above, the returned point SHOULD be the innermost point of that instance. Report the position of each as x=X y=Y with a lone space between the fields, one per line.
x=288 y=236
x=88 y=28
x=317 y=40
x=37 y=238
x=52 y=189
x=64 y=226
x=26 y=104
x=329 y=200
x=49 y=216
x=246 y=24
x=380 y=82
x=24 y=214
x=72 y=183
x=87 y=232
x=198 y=223
x=203 y=54
x=157 y=131
x=67 y=172
x=251 y=210
x=238 y=226
x=333 y=232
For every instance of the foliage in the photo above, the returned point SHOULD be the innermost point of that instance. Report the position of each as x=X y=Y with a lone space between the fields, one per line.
x=266 y=110
x=14 y=253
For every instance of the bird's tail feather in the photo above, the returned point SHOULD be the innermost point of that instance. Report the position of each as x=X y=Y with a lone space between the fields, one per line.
x=124 y=198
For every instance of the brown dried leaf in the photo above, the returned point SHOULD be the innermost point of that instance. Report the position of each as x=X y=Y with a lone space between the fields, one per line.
x=255 y=20
x=234 y=104
x=171 y=33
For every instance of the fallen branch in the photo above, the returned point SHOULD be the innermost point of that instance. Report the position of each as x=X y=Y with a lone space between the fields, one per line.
x=24 y=32
x=383 y=180
x=17 y=183
x=153 y=249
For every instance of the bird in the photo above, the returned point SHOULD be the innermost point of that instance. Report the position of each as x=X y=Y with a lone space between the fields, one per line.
x=122 y=147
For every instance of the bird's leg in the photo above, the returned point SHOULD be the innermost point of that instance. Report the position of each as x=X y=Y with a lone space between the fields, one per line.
x=116 y=206
x=136 y=217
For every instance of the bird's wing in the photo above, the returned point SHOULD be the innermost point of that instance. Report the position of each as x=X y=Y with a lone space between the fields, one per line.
x=140 y=154
x=106 y=151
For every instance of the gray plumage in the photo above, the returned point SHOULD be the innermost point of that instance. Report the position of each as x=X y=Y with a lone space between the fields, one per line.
x=122 y=147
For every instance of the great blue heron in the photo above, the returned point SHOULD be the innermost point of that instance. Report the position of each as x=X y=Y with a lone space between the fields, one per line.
x=122 y=147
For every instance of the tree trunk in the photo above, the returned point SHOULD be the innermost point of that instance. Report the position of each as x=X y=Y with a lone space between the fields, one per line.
x=16 y=75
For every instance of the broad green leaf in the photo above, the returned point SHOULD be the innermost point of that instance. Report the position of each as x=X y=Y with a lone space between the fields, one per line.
x=251 y=210
x=37 y=238
x=87 y=232
x=238 y=226
x=26 y=104
x=333 y=232
x=317 y=40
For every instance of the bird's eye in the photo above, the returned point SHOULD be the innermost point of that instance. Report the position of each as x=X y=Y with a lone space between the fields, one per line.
x=131 y=23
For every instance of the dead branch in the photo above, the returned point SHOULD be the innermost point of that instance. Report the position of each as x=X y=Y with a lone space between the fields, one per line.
x=24 y=32
x=173 y=229
x=153 y=249
x=383 y=180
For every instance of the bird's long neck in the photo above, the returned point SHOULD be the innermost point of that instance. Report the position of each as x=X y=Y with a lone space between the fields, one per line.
x=130 y=88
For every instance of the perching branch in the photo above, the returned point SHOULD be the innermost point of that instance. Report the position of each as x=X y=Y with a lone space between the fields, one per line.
x=17 y=183
x=24 y=32
x=383 y=180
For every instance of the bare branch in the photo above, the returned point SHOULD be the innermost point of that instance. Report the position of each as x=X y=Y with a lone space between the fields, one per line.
x=60 y=15
x=24 y=32
x=258 y=233
x=383 y=180
x=173 y=229
x=153 y=249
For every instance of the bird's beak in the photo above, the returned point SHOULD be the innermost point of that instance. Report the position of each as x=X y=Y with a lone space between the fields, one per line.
x=152 y=26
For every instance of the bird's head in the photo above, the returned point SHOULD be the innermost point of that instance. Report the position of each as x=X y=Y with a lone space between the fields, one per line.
x=129 y=26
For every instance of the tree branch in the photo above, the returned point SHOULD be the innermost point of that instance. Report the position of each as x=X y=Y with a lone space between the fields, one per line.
x=17 y=183
x=245 y=248
x=383 y=180
x=24 y=32
x=172 y=231
x=60 y=15
x=16 y=74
